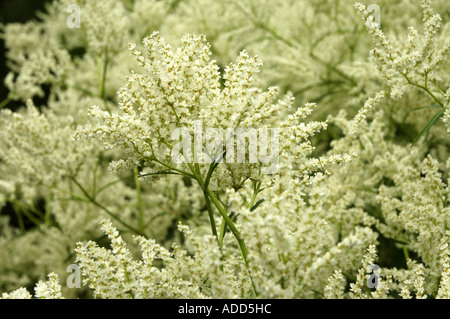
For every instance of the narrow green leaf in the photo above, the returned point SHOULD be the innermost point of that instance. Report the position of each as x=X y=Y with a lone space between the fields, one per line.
x=257 y=204
x=159 y=173
x=428 y=126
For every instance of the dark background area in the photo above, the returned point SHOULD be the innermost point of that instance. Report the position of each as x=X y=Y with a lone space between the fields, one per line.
x=15 y=11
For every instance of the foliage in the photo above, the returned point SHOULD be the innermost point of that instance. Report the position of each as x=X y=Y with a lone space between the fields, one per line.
x=359 y=189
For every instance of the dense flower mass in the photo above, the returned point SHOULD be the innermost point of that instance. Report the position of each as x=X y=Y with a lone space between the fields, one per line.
x=296 y=149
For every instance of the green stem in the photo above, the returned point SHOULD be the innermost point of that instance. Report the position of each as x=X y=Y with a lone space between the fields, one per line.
x=165 y=165
x=229 y=223
x=256 y=191
x=236 y=234
x=223 y=226
x=274 y=34
x=94 y=181
x=106 y=186
x=436 y=85
x=263 y=26
x=102 y=81
x=204 y=185
x=5 y=102
x=153 y=158
x=211 y=218
x=425 y=89
x=210 y=195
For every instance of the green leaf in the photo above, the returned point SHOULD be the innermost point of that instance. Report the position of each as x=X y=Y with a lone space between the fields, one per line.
x=428 y=126
x=160 y=173
x=257 y=204
x=224 y=228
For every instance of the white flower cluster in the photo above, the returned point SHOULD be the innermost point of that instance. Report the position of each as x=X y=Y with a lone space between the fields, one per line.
x=420 y=57
x=177 y=88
